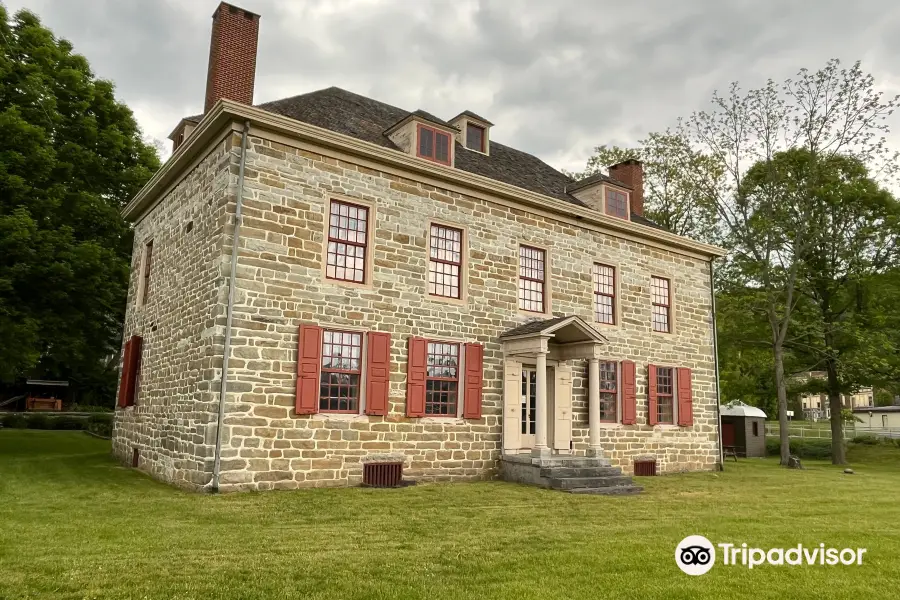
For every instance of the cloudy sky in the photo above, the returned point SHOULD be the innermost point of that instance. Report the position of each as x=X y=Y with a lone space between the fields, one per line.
x=557 y=78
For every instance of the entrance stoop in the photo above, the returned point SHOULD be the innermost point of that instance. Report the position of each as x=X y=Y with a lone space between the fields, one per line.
x=573 y=474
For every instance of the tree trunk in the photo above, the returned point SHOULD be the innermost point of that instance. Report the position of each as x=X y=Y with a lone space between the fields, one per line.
x=838 y=455
x=781 y=387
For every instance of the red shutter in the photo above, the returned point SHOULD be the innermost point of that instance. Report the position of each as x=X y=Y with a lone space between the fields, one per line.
x=629 y=393
x=309 y=366
x=415 y=377
x=131 y=366
x=126 y=375
x=474 y=381
x=378 y=373
x=685 y=399
x=651 y=395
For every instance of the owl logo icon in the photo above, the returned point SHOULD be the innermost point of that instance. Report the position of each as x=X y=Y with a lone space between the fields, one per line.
x=695 y=555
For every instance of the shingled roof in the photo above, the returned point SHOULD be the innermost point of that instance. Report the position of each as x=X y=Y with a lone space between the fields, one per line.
x=366 y=119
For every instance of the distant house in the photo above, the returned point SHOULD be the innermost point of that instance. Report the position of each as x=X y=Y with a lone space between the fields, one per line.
x=878 y=420
x=815 y=406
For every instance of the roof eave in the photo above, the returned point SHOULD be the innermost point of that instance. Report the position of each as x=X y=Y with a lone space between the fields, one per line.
x=226 y=112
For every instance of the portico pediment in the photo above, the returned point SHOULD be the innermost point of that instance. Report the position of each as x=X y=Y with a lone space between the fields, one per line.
x=562 y=337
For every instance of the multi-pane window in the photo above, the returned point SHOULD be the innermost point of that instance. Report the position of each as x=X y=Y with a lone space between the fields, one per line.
x=609 y=391
x=665 y=396
x=442 y=379
x=531 y=279
x=661 y=298
x=340 y=380
x=145 y=276
x=616 y=203
x=348 y=228
x=605 y=294
x=445 y=261
x=475 y=137
x=434 y=145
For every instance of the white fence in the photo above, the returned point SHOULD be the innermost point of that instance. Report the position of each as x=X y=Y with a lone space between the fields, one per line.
x=850 y=431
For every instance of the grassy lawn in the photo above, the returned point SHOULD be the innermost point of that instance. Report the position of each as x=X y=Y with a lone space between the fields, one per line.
x=75 y=525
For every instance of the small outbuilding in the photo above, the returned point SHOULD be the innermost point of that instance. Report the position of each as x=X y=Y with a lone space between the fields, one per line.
x=743 y=429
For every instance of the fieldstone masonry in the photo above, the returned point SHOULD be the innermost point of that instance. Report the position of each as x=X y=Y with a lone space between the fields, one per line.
x=280 y=284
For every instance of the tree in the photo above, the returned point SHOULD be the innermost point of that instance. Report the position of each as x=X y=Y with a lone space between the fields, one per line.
x=828 y=113
x=675 y=181
x=71 y=156
x=853 y=226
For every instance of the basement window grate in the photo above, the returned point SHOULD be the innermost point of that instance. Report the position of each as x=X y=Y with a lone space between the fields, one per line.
x=645 y=468
x=382 y=474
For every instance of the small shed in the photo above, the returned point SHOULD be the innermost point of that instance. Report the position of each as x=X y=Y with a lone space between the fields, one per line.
x=45 y=395
x=743 y=429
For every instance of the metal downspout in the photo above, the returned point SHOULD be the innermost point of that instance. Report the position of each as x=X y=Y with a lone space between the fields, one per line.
x=229 y=311
x=712 y=294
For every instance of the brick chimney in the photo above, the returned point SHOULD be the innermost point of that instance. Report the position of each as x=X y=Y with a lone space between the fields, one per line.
x=631 y=172
x=232 y=56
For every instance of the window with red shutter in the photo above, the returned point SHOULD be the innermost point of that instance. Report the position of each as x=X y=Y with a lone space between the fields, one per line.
x=309 y=364
x=131 y=368
x=685 y=399
x=416 y=374
x=474 y=381
x=378 y=369
x=629 y=393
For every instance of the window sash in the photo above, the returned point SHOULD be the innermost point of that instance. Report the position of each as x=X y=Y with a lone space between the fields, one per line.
x=432 y=144
x=665 y=395
x=347 y=378
x=440 y=270
x=604 y=287
x=353 y=249
x=442 y=399
x=609 y=394
x=616 y=203
x=478 y=134
x=532 y=260
x=661 y=300
x=145 y=284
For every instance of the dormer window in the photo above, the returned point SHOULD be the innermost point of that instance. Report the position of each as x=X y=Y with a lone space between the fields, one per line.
x=433 y=145
x=474 y=137
x=616 y=203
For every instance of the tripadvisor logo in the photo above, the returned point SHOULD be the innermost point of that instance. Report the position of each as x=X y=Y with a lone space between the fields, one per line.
x=696 y=555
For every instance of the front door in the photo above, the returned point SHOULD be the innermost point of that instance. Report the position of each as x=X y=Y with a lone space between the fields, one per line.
x=529 y=407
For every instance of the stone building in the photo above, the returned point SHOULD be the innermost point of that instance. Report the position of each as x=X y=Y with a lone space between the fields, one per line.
x=403 y=289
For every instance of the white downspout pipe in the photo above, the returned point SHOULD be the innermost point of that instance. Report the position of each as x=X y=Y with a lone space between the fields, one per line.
x=229 y=310
x=715 y=340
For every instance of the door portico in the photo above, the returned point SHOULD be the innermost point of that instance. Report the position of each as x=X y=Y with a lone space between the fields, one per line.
x=540 y=354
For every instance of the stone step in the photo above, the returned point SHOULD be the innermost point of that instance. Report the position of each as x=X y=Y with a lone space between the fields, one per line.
x=574 y=462
x=616 y=490
x=571 y=483
x=560 y=472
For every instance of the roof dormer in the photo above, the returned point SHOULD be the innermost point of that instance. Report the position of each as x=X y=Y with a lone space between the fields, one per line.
x=424 y=136
x=473 y=131
x=619 y=194
x=182 y=131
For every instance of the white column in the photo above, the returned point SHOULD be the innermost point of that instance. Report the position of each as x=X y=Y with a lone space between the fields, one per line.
x=540 y=413
x=594 y=407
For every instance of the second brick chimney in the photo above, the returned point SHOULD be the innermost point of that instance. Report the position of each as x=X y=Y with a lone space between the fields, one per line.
x=631 y=172
x=232 y=56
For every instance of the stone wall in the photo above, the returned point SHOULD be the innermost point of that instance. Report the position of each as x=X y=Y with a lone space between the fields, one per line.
x=281 y=285
x=172 y=423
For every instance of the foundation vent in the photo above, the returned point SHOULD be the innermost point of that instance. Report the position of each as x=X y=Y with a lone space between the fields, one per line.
x=645 y=468
x=383 y=474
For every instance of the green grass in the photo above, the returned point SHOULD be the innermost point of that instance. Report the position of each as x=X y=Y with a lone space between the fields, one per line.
x=73 y=524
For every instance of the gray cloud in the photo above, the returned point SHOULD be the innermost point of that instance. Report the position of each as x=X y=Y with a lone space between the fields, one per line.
x=557 y=78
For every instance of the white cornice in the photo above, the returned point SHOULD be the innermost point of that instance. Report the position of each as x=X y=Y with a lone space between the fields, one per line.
x=226 y=112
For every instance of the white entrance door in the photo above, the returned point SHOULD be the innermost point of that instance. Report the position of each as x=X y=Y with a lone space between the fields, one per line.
x=529 y=407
